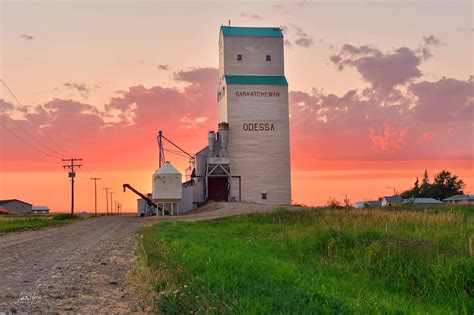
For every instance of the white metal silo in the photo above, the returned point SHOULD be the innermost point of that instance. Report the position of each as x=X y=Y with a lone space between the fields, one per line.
x=167 y=188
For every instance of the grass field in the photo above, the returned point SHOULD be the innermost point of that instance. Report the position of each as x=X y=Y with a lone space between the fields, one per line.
x=314 y=261
x=17 y=223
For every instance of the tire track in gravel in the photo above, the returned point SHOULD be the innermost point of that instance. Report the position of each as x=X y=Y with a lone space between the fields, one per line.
x=80 y=267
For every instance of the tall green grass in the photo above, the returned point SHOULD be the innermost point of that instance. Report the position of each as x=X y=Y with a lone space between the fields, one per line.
x=315 y=261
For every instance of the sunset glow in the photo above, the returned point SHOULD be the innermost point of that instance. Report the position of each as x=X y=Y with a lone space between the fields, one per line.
x=376 y=97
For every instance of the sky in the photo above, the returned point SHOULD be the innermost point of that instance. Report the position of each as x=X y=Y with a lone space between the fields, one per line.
x=379 y=92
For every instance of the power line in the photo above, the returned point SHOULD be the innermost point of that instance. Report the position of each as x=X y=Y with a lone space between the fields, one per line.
x=38 y=125
x=176 y=153
x=87 y=169
x=95 y=179
x=111 y=207
x=31 y=136
x=160 y=135
x=27 y=143
x=59 y=155
x=107 y=198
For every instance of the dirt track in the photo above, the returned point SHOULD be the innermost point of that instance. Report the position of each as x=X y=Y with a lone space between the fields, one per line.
x=78 y=267
x=83 y=266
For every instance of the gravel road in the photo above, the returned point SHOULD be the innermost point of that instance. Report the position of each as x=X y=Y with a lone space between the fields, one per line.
x=83 y=267
x=79 y=267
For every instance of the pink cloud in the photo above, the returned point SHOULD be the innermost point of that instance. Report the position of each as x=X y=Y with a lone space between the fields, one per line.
x=385 y=70
x=251 y=16
x=357 y=126
x=390 y=139
x=296 y=35
x=382 y=70
x=129 y=122
x=444 y=100
x=426 y=137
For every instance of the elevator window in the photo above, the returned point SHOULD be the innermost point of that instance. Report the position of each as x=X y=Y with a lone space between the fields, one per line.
x=269 y=58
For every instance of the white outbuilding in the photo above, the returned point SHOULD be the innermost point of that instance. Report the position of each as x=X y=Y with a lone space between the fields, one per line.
x=40 y=210
x=167 y=189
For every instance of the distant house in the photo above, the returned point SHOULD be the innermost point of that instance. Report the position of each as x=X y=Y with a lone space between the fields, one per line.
x=40 y=210
x=16 y=206
x=423 y=201
x=373 y=203
x=358 y=205
x=389 y=201
x=461 y=199
x=367 y=204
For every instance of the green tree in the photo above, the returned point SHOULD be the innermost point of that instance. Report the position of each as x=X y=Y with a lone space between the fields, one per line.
x=446 y=185
x=425 y=188
x=412 y=193
x=416 y=188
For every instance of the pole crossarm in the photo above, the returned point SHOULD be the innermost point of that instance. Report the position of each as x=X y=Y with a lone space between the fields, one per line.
x=72 y=174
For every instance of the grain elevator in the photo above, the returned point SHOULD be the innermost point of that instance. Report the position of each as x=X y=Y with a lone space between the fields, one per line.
x=248 y=158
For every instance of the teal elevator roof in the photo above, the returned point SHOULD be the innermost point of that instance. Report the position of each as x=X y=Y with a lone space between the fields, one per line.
x=251 y=31
x=256 y=79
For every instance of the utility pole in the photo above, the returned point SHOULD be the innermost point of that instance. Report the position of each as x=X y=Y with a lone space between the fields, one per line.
x=107 y=198
x=71 y=175
x=115 y=208
x=95 y=179
x=111 y=209
x=394 y=191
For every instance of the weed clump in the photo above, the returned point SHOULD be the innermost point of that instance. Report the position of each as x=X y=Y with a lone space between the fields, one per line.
x=64 y=216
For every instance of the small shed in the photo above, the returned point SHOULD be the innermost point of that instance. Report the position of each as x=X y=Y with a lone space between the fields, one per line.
x=367 y=204
x=389 y=201
x=16 y=206
x=40 y=210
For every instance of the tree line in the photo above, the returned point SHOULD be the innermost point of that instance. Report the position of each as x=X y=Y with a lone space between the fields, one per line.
x=444 y=185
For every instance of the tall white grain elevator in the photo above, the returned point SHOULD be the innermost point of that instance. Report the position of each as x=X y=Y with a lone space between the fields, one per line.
x=249 y=157
x=253 y=100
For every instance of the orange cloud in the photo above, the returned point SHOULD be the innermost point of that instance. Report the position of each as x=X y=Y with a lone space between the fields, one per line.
x=324 y=127
x=389 y=140
x=426 y=137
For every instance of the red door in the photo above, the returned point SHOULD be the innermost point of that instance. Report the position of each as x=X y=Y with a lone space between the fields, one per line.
x=218 y=188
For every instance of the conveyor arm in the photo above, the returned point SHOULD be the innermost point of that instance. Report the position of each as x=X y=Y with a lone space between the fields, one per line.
x=148 y=200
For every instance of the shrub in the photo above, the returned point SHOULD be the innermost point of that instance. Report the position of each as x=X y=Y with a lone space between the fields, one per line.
x=65 y=216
